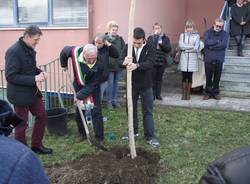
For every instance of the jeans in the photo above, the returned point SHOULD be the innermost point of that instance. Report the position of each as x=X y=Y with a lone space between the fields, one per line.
x=113 y=87
x=213 y=74
x=103 y=89
x=147 y=111
x=97 y=118
x=41 y=119
x=240 y=40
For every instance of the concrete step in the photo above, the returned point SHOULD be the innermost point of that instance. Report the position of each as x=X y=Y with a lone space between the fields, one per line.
x=237 y=59
x=233 y=46
x=234 y=52
x=235 y=86
x=235 y=77
x=234 y=69
x=234 y=94
x=235 y=89
x=232 y=41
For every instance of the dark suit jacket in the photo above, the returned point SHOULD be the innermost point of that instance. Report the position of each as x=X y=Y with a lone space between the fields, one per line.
x=142 y=76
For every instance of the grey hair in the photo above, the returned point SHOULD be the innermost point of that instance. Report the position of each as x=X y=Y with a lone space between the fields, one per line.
x=32 y=30
x=89 y=48
x=219 y=20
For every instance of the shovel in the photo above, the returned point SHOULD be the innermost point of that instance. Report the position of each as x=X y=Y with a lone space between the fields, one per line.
x=91 y=141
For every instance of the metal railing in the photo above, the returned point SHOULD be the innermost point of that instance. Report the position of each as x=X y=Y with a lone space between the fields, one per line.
x=56 y=89
x=226 y=16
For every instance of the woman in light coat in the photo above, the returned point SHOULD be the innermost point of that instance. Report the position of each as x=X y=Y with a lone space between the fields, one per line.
x=199 y=77
x=189 y=45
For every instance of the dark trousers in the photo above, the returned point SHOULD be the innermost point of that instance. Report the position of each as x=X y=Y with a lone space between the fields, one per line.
x=157 y=80
x=213 y=74
x=240 y=41
x=187 y=77
x=97 y=117
x=147 y=111
x=37 y=109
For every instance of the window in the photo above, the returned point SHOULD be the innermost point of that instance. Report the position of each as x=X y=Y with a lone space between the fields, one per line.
x=6 y=12
x=68 y=12
x=51 y=13
x=35 y=11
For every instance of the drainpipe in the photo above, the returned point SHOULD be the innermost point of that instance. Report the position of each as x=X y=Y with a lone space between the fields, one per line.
x=90 y=20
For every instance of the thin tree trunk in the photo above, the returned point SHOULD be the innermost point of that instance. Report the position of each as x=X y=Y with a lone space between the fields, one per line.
x=129 y=82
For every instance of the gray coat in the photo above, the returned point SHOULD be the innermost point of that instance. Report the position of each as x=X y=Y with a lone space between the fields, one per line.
x=189 y=45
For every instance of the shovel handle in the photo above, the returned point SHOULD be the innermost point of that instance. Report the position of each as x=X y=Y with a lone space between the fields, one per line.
x=80 y=110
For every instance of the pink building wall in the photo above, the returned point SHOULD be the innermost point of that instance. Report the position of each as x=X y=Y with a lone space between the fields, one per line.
x=208 y=9
x=50 y=44
x=172 y=14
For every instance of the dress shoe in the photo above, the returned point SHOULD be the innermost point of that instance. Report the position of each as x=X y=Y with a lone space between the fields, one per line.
x=42 y=150
x=241 y=54
x=116 y=105
x=159 y=98
x=206 y=97
x=217 y=97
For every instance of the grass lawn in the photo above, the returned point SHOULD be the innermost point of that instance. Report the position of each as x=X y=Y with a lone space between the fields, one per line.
x=189 y=138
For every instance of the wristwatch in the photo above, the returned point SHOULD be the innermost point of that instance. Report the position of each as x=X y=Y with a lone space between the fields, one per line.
x=137 y=65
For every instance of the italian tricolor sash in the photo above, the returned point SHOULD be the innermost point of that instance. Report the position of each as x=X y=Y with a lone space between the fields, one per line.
x=87 y=103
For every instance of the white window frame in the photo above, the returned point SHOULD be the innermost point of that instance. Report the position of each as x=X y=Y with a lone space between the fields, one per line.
x=45 y=25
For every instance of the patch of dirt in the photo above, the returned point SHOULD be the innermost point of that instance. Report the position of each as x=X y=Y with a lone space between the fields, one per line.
x=114 y=166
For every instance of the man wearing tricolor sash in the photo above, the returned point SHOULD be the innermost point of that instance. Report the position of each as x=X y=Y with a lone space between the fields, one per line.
x=87 y=73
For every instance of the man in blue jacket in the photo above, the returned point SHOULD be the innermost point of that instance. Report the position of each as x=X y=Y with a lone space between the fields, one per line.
x=19 y=164
x=215 y=46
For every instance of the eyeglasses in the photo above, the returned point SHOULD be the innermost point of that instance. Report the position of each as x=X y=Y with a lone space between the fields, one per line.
x=218 y=26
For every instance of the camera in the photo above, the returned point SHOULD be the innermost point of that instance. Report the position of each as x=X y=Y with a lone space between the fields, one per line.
x=8 y=119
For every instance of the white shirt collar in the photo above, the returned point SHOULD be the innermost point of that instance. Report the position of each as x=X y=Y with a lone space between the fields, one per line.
x=139 y=51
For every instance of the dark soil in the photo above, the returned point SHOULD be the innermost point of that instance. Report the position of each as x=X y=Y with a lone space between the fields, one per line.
x=114 y=166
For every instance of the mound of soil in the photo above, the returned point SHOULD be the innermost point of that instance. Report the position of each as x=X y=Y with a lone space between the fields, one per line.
x=114 y=166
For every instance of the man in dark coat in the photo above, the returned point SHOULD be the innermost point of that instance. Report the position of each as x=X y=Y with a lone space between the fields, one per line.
x=215 y=41
x=231 y=2
x=87 y=75
x=162 y=45
x=23 y=77
x=105 y=50
x=239 y=24
x=141 y=66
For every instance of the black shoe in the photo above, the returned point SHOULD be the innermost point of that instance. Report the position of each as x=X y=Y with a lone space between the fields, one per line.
x=42 y=150
x=206 y=97
x=159 y=98
x=217 y=97
x=99 y=142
